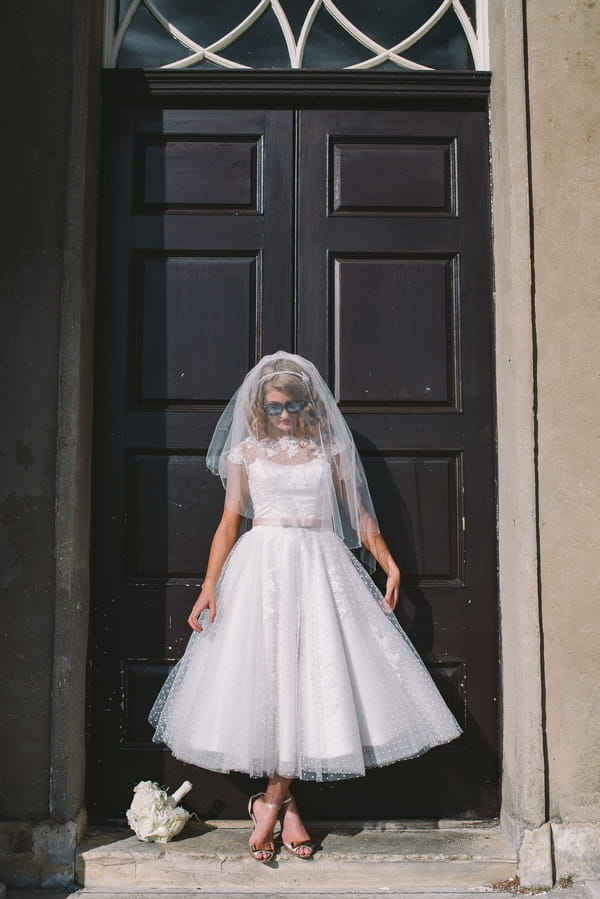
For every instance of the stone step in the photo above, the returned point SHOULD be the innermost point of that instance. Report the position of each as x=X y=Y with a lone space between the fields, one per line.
x=238 y=894
x=213 y=856
x=580 y=891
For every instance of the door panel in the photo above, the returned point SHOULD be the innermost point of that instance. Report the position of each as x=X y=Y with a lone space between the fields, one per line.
x=186 y=305
x=352 y=236
x=390 y=329
x=204 y=173
x=412 y=176
x=394 y=305
x=198 y=230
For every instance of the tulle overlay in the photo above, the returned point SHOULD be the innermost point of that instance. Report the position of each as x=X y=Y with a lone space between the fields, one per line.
x=303 y=672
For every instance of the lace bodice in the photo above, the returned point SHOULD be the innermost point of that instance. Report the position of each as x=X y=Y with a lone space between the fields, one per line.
x=289 y=481
x=288 y=493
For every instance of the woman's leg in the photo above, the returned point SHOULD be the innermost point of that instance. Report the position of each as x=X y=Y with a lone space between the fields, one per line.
x=266 y=812
x=278 y=789
x=293 y=829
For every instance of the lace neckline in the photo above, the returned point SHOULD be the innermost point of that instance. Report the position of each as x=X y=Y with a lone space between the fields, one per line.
x=285 y=449
x=287 y=446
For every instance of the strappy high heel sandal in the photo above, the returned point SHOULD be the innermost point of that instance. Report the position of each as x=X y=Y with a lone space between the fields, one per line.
x=295 y=846
x=267 y=848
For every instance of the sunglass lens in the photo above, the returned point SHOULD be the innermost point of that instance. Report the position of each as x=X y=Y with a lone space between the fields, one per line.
x=293 y=407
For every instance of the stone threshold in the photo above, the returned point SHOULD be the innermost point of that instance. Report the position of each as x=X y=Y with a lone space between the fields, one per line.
x=580 y=891
x=353 y=856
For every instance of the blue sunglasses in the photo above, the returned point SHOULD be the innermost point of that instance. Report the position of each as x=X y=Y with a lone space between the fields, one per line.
x=292 y=406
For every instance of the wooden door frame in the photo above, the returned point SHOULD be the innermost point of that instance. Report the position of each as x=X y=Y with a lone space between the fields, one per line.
x=460 y=91
x=430 y=116
x=318 y=87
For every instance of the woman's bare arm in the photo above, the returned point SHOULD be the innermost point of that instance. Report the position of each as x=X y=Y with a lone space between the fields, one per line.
x=226 y=535
x=376 y=545
x=372 y=540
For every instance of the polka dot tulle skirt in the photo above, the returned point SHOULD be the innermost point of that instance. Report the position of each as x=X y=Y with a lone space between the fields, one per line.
x=303 y=672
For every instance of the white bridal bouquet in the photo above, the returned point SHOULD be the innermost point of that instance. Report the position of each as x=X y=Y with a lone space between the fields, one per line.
x=154 y=815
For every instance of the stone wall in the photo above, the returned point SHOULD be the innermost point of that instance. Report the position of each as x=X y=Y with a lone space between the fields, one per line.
x=48 y=161
x=33 y=164
x=545 y=215
x=564 y=85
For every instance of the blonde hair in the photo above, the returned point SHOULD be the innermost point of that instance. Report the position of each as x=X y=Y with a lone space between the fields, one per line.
x=289 y=378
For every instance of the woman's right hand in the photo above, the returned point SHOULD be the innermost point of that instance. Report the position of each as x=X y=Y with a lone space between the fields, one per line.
x=206 y=600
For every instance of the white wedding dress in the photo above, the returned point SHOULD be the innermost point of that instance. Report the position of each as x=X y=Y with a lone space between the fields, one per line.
x=304 y=672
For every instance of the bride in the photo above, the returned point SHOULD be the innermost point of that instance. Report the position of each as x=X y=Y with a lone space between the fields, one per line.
x=297 y=667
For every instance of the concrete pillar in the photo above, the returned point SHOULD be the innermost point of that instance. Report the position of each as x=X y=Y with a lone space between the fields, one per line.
x=564 y=84
x=49 y=159
x=523 y=775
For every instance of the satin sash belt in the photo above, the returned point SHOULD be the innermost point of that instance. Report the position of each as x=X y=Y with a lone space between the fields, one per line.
x=292 y=523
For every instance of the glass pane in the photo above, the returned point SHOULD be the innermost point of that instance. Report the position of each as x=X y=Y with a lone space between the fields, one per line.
x=202 y=20
x=469 y=8
x=205 y=21
x=147 y=43
x=444 y=47
x=388 y=22
x=296 y=12
x=262 y=46
x=122 y=8
x=330 y=46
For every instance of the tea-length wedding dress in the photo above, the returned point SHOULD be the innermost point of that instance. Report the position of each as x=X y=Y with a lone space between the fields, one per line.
x=305 y=670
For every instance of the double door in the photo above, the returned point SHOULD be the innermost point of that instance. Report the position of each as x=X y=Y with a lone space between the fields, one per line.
x=360 y=239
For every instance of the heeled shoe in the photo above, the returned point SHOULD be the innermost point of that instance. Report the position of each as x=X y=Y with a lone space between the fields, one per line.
x=269 y=846
x=294 y=847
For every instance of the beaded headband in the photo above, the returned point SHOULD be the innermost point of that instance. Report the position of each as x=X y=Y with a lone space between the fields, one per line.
x=285 y=371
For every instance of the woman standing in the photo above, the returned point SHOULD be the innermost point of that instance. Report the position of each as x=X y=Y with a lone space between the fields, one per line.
x=297 y=667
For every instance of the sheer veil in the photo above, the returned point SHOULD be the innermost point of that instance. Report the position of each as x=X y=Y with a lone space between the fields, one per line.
x=320 y=435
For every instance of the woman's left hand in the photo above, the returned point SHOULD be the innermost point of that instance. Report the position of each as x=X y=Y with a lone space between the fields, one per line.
x=392 y=589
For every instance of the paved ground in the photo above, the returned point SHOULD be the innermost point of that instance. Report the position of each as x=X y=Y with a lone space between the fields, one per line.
x=579 y=891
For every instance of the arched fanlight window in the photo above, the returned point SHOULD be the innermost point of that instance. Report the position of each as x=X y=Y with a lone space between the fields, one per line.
x=296 y=34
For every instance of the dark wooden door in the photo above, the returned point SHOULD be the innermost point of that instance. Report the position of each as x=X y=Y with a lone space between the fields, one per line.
x=394 y=306
x=361 y=240
x=197 y=225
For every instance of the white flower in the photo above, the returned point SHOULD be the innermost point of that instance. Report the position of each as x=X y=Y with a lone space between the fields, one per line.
x=154 y=816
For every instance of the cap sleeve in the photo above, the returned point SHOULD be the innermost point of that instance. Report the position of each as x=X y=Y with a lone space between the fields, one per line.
x=236 y=455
